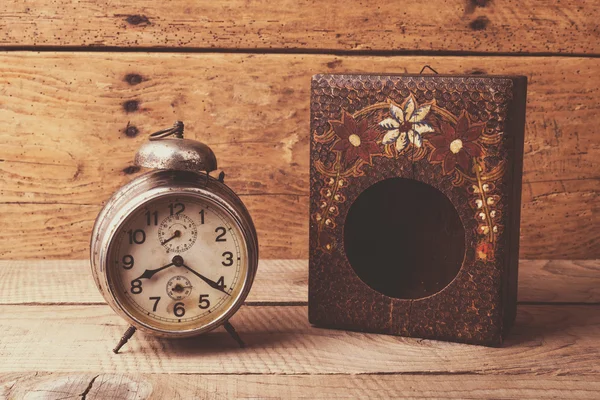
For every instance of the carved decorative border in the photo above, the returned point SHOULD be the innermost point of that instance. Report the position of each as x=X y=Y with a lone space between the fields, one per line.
x=415 y=131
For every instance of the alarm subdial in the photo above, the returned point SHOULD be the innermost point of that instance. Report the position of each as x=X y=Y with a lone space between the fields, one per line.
x=179 y=287
x=177 y=233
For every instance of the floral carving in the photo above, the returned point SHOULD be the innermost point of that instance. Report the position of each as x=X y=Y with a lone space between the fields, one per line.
x=355 y=139
x=406 y=125
x=456 y=145
x=485 y=251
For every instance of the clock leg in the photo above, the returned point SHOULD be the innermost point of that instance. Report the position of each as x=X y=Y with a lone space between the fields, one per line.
x=231 y=330
x=126 y=336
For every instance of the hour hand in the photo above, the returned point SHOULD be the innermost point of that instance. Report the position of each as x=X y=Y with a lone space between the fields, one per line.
x=149 y=273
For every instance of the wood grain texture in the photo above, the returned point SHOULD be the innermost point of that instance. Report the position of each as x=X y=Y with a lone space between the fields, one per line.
x=280 y=341
x=531 y=26
x=280 y=281
x=213 y=387
x=556 y=210
x=547 y=281
x=59 y=351
x=66 y=117
x=71 y=282
x=71 y=121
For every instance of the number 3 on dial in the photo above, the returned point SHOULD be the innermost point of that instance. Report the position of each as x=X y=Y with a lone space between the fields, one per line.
x=228 y=259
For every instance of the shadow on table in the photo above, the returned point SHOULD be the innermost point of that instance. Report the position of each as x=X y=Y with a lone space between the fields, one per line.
x=258 y=327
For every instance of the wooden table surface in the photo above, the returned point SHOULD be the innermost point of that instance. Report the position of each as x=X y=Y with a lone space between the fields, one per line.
x=57 y=336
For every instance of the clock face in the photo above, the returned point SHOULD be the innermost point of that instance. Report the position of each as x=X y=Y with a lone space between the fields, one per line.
x=178 y=263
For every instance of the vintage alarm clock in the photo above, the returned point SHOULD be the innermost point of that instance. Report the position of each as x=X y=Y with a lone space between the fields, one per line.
x=174 y=252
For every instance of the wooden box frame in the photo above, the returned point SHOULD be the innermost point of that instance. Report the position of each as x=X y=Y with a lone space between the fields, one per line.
x=488 y=114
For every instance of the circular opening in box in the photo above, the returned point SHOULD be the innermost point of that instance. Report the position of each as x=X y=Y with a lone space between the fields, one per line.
x=404 y=238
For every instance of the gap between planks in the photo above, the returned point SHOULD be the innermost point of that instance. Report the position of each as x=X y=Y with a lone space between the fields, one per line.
x=292 y=51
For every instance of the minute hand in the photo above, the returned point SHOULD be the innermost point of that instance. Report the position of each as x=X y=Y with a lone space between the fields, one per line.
x=211 y=283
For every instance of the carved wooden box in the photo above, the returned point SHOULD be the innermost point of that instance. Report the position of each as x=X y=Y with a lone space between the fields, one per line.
x=415 y=190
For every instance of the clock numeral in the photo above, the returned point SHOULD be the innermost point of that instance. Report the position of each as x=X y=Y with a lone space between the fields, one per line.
x=149 y=218
x=221 y=283
x=136 y=286
x=202 y=216
x=138 y=236
x=156 y=300
x=176 y=208
x=203 y=303
x=179 y=310
x=220 y=237
x=127 y=261
x=228 y=259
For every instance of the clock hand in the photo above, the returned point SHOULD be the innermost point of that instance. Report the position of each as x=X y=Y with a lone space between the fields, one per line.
x=211 y=283
x=149 y=273
x=176 y=234
x=179 y=289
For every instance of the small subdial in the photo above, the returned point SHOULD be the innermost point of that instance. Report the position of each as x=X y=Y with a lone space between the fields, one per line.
x=177 y=233
x=179 y=287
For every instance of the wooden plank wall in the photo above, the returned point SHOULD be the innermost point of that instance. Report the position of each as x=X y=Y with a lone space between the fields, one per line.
x=82 y=83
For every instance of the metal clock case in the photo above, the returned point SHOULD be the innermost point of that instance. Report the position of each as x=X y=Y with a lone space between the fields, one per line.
x=161 y=226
